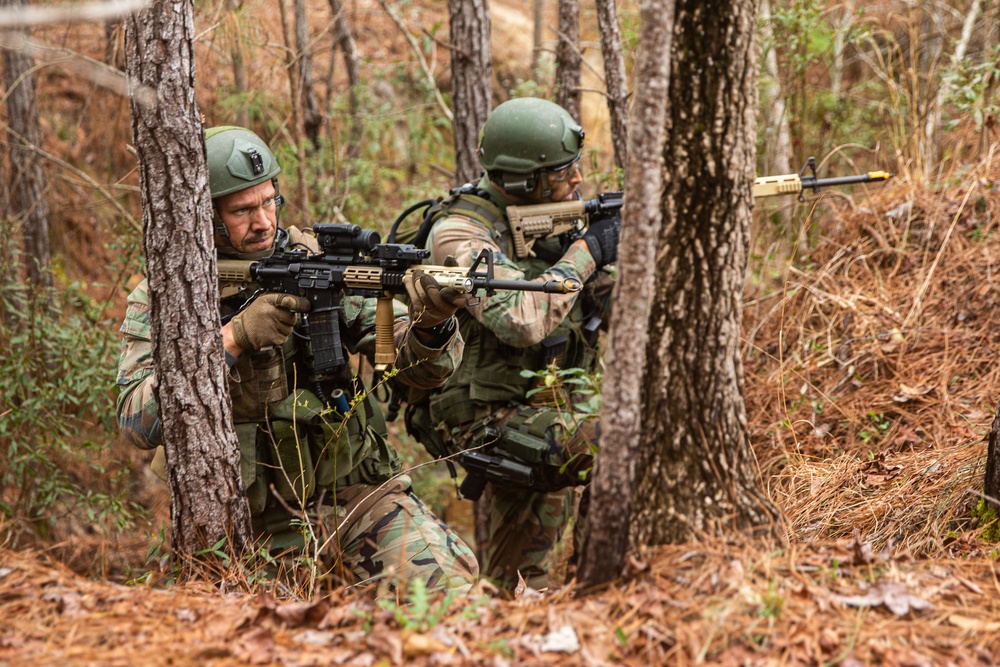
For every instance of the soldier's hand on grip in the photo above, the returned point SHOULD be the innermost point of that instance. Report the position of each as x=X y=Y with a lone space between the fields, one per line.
x=431 y=304
x=268 y=321
x=602 y=240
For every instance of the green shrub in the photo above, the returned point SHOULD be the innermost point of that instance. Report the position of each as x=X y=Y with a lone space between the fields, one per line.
x=57 y=415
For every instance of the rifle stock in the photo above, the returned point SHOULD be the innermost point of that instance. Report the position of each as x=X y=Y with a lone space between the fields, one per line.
x=545 y=221
x=352 y=261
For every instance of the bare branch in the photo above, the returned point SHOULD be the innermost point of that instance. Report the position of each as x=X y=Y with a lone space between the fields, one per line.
x=25 y=17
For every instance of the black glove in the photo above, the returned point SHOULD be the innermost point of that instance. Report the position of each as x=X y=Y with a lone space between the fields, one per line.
x=602 y=240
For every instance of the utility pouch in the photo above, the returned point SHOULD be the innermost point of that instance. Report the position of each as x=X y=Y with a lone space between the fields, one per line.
x=293 y=474
x=251 y=473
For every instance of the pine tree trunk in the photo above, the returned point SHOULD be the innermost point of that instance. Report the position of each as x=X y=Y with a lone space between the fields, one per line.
x=240 y=85
x=536 y=37
x=345 y=40
x=28 y=203
x=614 y=78
x=605 y=543
x=696 y=468
x=991 y=482
x=207 y=502
x=471 y=81
x=298 y=110
x=312 y=120
x=568 y=59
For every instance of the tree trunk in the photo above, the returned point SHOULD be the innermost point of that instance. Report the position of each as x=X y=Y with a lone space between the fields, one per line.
x=614 y=78
x=29 y=206
x=240 y=85
x=312 y=120
x=568 y=58
x=777 y=136
x=345 y=40
x=696 y=468
x=471 y=82
x=991 y=483
x=536 y=40
x=933 y=124
x=298 y=111
x=207 y=502
x=602 y=555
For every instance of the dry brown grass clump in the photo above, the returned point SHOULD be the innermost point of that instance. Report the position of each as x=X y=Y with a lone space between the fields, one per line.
x=871 y=366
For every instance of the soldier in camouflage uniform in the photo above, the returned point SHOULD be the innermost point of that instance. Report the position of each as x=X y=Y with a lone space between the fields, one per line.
x=530 y=149
x=307 y=460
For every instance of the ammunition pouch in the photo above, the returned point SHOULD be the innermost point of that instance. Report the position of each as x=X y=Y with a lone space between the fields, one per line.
x=306 y=447
x=525 y=452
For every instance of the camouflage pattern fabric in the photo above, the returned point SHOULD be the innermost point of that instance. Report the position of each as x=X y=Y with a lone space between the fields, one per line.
x=138 y=413
x=518 y=319
x=381 y=535
x=524 y=525
x=386 y=535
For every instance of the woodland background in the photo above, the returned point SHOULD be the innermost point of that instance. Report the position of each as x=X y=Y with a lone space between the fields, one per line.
x=869 y=338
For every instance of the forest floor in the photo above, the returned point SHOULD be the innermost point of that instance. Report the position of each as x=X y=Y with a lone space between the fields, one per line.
x=871 y=382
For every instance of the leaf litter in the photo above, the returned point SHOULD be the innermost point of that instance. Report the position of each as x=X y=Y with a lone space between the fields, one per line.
x=871 y=377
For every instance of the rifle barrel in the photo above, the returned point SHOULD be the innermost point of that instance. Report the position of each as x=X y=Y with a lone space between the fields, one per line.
x=567 y=286
x=810 y=182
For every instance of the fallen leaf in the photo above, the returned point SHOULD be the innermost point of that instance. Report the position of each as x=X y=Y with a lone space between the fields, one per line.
x=892 y=594
x=974 y=624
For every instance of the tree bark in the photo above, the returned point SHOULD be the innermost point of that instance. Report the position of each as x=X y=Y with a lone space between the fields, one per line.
x=312 y=120
x=696 y=468
x=568 y=58
x=777 y=136
x=614 y=78
x=240 y=85
x=343 y=38
x=602 y=555
x=991 y=482
x=28 y=203
x=207 y=502
x=471 y=81
x=536 y=37
x=298 y=111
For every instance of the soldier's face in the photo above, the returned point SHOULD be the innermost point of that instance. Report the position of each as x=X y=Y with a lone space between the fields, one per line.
x=562 y=182
x=251 y=217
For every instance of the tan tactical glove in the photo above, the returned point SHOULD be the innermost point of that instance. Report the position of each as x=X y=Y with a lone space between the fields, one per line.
x=431 y=304
x=268 y=321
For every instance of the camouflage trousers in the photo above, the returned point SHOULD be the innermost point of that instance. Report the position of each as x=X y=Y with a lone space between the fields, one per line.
x=525 y=526
x=375 y=534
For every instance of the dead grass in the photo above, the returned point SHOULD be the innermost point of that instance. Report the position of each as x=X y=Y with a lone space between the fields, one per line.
x=870 y=385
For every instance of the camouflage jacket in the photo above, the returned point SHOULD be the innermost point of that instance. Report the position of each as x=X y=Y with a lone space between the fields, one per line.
x=506 y=333
x=419 y=366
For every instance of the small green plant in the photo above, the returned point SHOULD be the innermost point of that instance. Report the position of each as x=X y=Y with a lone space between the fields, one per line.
x=581 y=384
x=772 y=602
x=422 y=610
x=880 y=425
x=988 y=519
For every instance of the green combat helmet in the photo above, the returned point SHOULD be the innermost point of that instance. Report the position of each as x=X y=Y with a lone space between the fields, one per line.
x=237 y=159
x=525 y=135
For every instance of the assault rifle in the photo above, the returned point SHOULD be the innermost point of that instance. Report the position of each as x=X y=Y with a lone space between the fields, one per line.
x=545 y=221
x=353 y=261
x=791 y=184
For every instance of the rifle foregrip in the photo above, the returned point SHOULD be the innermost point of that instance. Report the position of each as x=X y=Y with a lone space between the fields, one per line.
x=385 y=344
